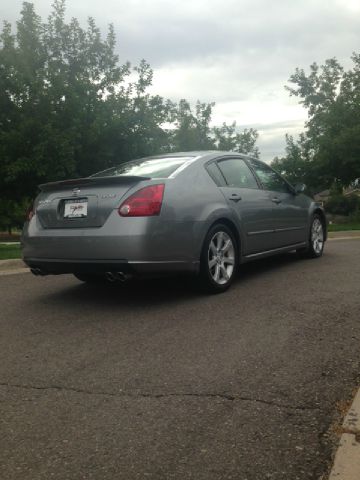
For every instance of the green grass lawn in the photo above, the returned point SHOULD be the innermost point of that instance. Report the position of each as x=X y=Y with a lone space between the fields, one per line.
x=9 y=251
x=340 y=227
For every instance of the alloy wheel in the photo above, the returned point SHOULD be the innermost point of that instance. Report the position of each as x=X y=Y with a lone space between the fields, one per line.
x=221 y=258
x=317 y=236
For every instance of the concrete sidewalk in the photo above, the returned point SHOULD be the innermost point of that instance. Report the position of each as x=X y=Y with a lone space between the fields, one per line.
x=347 y=459
x=345 y=234
x=10 y=266
x=11 y=263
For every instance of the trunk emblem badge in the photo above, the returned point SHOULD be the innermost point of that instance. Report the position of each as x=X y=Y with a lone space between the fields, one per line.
x=76 y=192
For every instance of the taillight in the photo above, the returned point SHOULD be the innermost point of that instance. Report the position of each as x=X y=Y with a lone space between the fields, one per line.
x=143 y=203
x=30 y=212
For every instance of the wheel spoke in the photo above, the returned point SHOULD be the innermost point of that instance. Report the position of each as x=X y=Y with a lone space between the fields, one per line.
x=212 y=263
x=226 y=245
x=229 y=260
x=217 y=273
x=213 y=247
x=224 y=273
x=220 y=239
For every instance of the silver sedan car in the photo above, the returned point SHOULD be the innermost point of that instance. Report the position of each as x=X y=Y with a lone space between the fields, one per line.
x=204 y=213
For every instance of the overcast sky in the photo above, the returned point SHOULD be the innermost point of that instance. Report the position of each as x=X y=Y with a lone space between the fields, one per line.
x=238 y=53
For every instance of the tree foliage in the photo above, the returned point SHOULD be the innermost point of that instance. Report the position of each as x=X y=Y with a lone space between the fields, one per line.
x=343 y=205
x=69 y=108
x=328 y=153
x=228 y=138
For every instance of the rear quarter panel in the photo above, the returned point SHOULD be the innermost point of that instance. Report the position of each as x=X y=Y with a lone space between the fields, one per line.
x=192 y=203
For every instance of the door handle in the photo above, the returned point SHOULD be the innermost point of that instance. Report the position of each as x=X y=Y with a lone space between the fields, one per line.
x=235 y=197
x=276 y=200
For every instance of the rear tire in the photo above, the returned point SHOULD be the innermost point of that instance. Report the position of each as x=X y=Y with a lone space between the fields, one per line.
x=219 y=259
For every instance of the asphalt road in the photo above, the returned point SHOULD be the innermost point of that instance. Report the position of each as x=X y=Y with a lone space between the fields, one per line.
x=155 y=381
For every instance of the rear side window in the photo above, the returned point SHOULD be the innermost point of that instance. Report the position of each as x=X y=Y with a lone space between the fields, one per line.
x=237 y=173
x=151 y=167
x=215 y=174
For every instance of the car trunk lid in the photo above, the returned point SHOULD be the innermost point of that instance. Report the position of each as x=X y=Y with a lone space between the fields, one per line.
x=82 y=203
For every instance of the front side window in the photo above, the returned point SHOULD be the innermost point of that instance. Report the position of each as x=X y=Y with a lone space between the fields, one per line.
x=161 y=167
x=237 y=173
x=269 y=178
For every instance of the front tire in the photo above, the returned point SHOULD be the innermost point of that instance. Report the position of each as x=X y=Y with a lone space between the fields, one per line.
x=316 y=239
x=219 y=259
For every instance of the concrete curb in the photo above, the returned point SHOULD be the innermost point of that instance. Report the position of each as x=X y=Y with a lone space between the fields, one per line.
x=344 y=238
x=11 y=263
x=347 y=459
x=12 y=266
x=14 y=271
x=344 y=234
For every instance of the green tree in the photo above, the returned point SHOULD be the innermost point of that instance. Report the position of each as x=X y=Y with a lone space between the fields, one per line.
x=227 y=138
x=192 y=129
x=193 y=132
x=329 y=150
x=67 y=107
x=298 y=164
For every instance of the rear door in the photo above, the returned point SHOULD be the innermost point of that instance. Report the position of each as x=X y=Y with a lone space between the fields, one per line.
x=251 y=204
x=290 y=211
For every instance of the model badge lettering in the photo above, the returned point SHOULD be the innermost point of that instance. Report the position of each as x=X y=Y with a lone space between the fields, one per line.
x=109 y=195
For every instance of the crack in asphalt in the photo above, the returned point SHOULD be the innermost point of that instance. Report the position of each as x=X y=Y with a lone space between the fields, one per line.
x=224 y=396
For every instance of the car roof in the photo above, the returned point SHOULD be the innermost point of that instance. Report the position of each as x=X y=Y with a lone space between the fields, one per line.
x=201 y=154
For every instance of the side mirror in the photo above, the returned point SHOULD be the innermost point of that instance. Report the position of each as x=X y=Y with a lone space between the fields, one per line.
x=299 y=188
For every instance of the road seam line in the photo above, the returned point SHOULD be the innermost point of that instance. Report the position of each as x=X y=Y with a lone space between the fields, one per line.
x=226 y=396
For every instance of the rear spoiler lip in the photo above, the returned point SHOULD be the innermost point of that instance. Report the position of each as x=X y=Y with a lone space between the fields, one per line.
x=91 y=181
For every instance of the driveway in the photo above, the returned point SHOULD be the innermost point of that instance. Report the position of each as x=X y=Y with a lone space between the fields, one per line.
x=154 y=381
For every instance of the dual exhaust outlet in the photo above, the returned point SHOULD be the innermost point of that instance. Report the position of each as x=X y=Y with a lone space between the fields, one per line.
x=110 y=276
x=117 y=276
x=38 y=271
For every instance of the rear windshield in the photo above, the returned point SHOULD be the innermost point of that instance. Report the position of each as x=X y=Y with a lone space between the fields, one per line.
x=152 y=167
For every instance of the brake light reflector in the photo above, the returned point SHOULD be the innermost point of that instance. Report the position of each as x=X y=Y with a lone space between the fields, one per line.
x=146 y=202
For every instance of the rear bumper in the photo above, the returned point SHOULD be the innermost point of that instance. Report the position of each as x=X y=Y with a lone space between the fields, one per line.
x=138 y=245
x=59 y=266
x=138 y=239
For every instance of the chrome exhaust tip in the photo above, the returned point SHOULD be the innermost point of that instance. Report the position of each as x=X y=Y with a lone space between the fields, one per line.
x=117 y=276
x=120 y=276
x=110 y=276
x=38 y=271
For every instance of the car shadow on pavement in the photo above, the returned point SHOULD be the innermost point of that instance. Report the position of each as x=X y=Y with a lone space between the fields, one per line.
x=148 y=292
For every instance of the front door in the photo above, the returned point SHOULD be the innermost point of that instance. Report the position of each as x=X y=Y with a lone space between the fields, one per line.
x=290 y=211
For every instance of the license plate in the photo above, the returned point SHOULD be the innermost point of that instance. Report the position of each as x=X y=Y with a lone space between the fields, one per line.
x=75 y=208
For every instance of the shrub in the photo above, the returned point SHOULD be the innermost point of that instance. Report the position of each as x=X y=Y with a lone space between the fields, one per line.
x=341 y=205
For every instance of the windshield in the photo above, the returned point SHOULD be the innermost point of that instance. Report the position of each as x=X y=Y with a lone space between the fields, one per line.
x=152 y=167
